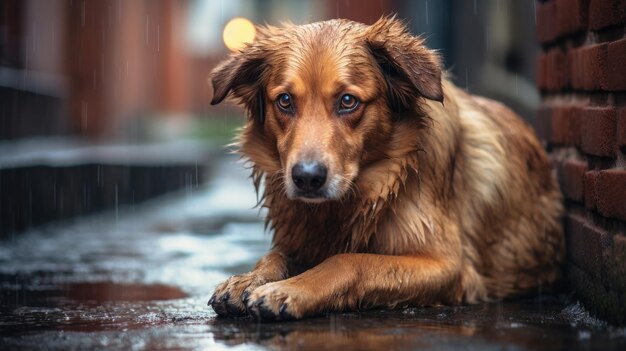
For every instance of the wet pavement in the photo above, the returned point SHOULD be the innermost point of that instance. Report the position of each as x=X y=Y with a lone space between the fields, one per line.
x=139 y=277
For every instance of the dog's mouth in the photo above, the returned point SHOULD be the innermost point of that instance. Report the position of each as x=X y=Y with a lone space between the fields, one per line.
x=314 y=197
x=332 y=191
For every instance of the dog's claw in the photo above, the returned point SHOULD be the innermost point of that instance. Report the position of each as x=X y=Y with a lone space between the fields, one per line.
x=225 y=297
x=244 y=297
x=284 y=315
x=233 y=310
x=254 y=307
x=220 y=309
x=260 y=301
x=265 y=313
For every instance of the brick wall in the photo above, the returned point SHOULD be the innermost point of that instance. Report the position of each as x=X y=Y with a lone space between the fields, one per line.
x=582 y=77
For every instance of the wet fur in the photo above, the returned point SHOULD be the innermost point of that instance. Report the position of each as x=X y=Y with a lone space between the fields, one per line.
x=448 y=198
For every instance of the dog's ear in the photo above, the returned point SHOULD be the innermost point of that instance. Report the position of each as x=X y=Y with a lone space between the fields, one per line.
x=241 y=76
x=410 y=68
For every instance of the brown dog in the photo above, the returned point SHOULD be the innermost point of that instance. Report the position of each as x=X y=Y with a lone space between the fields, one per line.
x=386 y=186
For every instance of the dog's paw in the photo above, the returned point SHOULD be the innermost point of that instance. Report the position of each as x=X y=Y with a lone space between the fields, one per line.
x=278 y=301
x=230 y=297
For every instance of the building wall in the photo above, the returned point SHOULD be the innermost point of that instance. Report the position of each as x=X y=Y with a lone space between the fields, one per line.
x=124 y=60
x=582 y=76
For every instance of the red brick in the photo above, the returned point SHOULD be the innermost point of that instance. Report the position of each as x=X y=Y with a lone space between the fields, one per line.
x=598 y=127
x=617 y=263
x=573 y=174
x=621 y=131
x=575 y=240
x=543 y=122
x=594 y=67
x=586 y=244
x=616 y=65
x=601 y=302
x=542 y=72
x=565 y=125
x=564 y=17
x=611 y=193
x=604 y=13
x=575 y=126
x=590 y=189
x=581 y=14
x=571 y=16
x=557 y=69
x=559 y=125
x=577 y=77
x=546 y=22
x=586 y=287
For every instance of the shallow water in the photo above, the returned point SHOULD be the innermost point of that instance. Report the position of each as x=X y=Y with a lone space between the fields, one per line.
x=140 y=279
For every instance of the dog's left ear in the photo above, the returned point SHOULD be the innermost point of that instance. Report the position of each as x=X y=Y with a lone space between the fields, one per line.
x=410 y=68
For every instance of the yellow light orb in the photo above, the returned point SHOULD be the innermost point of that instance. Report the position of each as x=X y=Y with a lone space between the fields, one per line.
x=238 y=32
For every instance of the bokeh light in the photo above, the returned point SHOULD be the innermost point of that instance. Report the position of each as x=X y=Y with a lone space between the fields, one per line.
x=238 y=32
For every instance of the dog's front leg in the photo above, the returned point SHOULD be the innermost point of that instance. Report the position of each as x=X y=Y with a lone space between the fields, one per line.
x=230 y=297
x=358 y=281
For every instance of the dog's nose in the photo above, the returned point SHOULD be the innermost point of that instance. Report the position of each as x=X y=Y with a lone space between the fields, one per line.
x=309 y=176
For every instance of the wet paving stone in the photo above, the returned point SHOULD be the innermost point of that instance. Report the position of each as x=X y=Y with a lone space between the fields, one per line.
x=139 y=278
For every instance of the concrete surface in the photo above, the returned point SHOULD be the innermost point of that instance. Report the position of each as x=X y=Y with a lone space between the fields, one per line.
x=47 y=179
x=140 y=277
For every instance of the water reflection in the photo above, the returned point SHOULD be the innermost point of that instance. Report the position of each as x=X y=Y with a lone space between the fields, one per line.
x=527 y=324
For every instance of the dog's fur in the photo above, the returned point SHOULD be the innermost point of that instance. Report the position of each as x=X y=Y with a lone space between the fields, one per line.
x=434 y=196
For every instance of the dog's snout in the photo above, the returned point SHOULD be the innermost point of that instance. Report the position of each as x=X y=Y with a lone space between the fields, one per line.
x=309 y=176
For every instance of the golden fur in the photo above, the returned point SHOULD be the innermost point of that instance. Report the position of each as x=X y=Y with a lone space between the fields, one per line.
x=435 y=196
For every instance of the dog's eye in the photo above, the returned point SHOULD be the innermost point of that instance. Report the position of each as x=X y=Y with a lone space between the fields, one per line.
x=284 y=102
x=348 y=103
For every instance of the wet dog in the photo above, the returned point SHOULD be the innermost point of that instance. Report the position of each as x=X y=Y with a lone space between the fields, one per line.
x=386 y=186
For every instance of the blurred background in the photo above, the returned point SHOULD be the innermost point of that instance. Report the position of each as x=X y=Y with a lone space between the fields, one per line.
x=104 y=105
x=107 y=102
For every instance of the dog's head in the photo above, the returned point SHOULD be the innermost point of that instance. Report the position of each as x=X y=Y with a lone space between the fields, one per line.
x=323 y=99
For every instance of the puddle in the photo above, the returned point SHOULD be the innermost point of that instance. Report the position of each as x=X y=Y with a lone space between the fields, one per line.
x=89 y=294
x=95 y=306
x=109 y=292
x=102 y=292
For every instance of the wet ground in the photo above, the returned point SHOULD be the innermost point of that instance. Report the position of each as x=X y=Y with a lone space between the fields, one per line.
x=139 y=278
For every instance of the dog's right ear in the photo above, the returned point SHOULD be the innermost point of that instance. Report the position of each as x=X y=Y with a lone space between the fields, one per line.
x=241 y=76
x=222 y=78
x=242 y=69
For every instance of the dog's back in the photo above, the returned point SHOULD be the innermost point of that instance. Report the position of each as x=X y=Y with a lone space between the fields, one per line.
x=510 y=208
